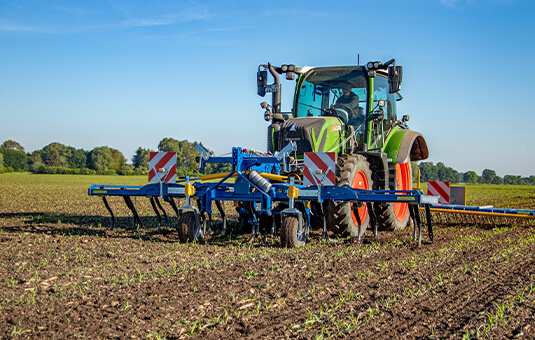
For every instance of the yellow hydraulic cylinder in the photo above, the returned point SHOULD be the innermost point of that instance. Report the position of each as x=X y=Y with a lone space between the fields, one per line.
x=215 y=176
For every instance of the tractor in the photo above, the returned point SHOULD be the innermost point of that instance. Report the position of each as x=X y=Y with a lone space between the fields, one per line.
x=350 y=111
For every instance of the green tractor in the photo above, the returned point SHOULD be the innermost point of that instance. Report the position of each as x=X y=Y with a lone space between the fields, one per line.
x=351 y=111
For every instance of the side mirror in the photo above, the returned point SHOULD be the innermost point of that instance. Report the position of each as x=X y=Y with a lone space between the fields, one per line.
x=405 y=118
x=261 y=82
x=395 y=74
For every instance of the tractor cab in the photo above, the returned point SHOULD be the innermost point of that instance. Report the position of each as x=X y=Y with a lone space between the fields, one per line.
x=331 y=105
x=320 y=92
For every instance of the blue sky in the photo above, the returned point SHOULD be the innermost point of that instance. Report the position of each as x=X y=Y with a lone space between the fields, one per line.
x=129 y=73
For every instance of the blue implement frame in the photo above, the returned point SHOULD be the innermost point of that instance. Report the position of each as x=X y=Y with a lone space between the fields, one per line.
x=259 y=192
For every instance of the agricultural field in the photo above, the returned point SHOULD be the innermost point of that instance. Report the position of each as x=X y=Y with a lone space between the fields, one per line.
x=65 y=274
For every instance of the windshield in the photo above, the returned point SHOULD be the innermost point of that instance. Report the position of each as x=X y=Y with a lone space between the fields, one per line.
x=339 y=88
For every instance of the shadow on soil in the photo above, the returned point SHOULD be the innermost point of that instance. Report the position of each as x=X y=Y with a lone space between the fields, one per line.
x=68 y=224
x=100 y=226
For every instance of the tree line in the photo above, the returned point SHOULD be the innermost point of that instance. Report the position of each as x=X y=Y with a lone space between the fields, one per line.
x=56 y=158
x=440 y=172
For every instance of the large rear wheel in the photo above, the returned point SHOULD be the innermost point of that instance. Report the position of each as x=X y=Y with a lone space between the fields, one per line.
x=396 y=216
x=341 y=220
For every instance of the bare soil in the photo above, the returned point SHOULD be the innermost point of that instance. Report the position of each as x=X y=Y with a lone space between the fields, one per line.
x=64 y=274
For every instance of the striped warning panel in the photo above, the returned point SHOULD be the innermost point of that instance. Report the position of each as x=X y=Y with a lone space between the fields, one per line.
x=317 y=164
x=162 y=166
x=440 y=189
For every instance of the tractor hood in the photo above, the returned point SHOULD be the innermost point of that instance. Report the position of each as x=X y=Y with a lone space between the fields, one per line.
x=312 y=134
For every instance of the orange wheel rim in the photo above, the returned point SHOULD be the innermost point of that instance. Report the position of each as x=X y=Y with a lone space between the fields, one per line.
x=360 y=181
x=403 y=180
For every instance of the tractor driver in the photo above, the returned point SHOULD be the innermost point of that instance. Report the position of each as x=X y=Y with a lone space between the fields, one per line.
x=349 y=101
x=348 y=98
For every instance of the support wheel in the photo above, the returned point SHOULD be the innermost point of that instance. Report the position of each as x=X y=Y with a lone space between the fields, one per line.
x=393 y=217
x=291 y=235
x=187 y=228
x=341 y=220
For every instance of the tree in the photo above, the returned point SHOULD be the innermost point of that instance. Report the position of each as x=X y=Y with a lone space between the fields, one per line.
x=169 y=145
x=76 y=158
x=488 y=176
x=185 y=152
x=1 y=162
x=428 y=172
x=55 y=154
x=14 y=159
x=118 y=159
x=470 y=177
x=497 y=180
x=415 y=167
x=12 y=145
x=35 y=157
x=512 y=180
x=101 y=158
x=141 y=159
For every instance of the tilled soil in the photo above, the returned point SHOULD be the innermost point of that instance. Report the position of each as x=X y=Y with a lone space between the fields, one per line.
x=66 y=276
x=92 y=282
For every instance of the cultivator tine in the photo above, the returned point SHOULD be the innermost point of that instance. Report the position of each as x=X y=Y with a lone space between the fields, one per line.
x=412 y=215
x=415 y=215
x=255 y=228
x=429 y=221
x=110 y=211
x=324 y=234
x=273 y=231
x=152 y=202
x=162 y=210
x=373 y=219
x=355 y=210
x=132 y=207
x=223 y=216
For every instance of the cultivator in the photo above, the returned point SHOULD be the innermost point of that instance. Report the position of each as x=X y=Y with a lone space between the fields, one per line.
x=267 y=189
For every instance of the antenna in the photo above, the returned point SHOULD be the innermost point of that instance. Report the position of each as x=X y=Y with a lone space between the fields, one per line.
x=358 y=59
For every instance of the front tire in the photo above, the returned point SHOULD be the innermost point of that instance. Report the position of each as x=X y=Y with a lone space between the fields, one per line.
x=341 y=220
x=394 y=217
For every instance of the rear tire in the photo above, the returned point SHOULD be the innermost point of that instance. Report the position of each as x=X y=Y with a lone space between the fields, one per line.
x=341 y=220
x=395 y=216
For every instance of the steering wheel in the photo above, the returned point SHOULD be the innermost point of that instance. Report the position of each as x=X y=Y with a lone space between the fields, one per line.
x=342 y=112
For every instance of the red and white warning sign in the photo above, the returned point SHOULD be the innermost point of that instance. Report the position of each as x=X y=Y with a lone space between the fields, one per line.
x=317 y=164
x=162 y=167
x=440 y=189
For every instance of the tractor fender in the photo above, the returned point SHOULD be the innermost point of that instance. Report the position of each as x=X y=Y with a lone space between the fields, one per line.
x=405 y=143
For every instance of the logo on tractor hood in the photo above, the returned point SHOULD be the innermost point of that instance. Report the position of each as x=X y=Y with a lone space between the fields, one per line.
x=336 y=128
x=292 y=127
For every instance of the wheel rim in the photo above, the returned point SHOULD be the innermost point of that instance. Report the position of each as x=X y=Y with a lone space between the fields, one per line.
x=403 y=181
x=360 y=181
